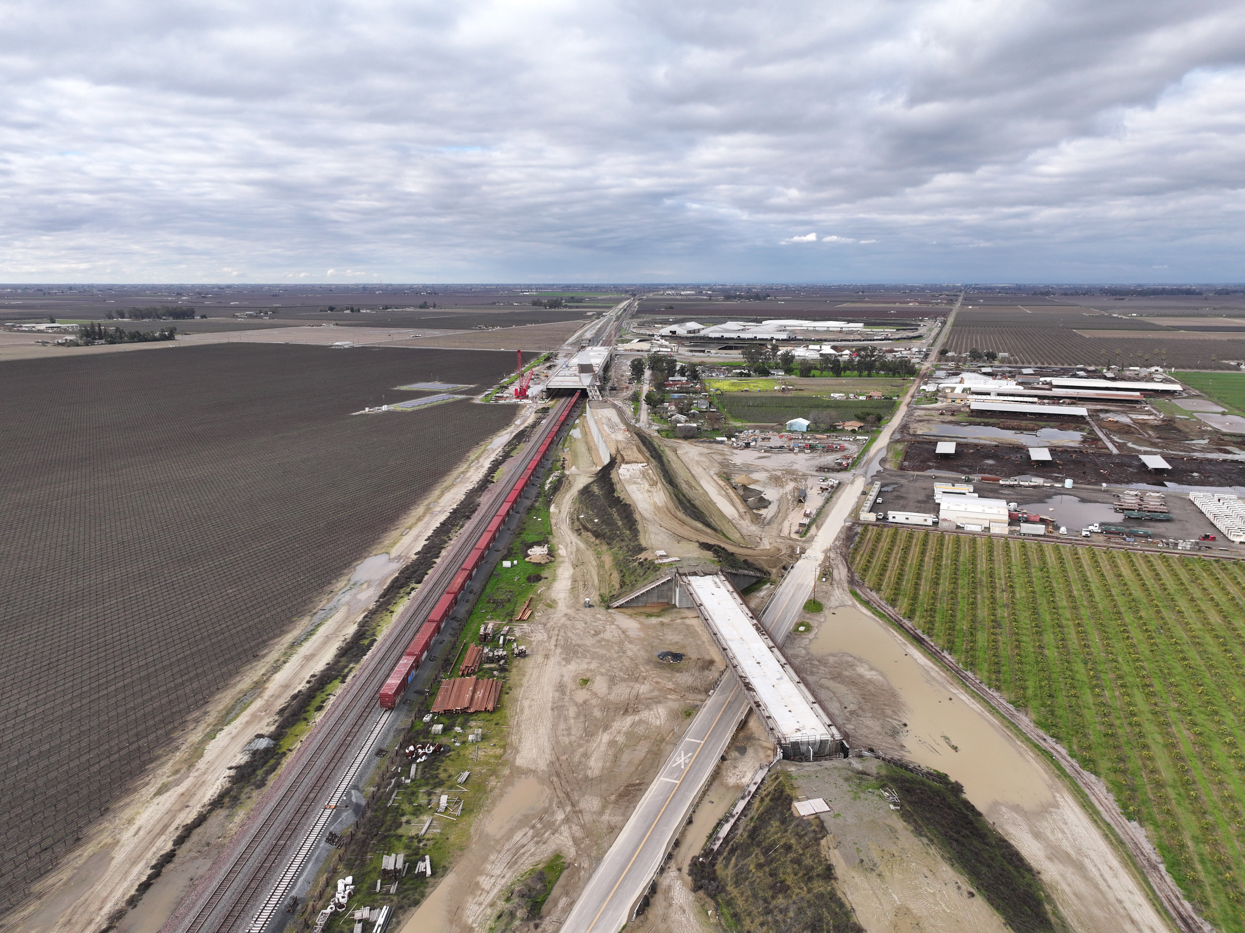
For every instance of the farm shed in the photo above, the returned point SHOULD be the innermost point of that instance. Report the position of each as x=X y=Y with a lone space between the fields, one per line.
x=1015 y=408
x=1040 y=455
x=798 y=424
x=945 y=449
x=1155 y=463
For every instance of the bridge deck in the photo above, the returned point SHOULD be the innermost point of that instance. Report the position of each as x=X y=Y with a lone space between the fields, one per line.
x=779 y=697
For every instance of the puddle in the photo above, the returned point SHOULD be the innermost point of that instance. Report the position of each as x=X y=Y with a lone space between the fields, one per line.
x=1073 y=512
x=1198 y=404
x=523 y=797
x=982 y=432
x=955 y=736
x=717 y=802
x=374 y=568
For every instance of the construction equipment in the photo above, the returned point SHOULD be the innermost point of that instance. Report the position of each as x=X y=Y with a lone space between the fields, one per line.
x=525 y=379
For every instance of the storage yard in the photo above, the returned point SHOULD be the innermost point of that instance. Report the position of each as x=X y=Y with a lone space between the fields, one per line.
x=156 y=556
x=1084 y=467
x=1130 y=660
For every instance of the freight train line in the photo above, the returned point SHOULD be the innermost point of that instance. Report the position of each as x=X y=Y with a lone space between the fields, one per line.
x=285 y=881
x=277 y=833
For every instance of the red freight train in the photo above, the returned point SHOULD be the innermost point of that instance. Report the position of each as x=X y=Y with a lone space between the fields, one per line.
x=396 y=685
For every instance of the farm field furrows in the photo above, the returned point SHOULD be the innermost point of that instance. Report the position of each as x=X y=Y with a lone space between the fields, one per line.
x=167 y=515
x=1132 y=661
x=1228 y=389
x=759 y=408
x=1045 y=336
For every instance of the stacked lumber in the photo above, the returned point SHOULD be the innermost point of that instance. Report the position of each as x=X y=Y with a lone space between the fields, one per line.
x=526 y=612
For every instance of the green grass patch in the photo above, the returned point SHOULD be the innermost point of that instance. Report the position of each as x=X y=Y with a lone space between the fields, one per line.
x=812 y=605
x=1132 y=661
x=936 y=809
x=1228 y=389
x=781 y=407
x=812 y=385
x=771 y=875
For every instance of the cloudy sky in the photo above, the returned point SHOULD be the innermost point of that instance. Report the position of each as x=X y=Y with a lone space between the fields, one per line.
x=622 y=140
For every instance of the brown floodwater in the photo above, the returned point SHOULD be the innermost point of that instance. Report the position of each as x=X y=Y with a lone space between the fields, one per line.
x=947 y=729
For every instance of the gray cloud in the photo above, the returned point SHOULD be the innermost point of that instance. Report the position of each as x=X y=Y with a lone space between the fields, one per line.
x=936 y=139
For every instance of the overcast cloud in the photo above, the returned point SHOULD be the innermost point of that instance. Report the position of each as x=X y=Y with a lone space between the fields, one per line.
x=871 y=140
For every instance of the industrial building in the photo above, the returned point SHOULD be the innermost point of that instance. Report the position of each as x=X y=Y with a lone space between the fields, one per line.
x=972 y=513
x=1023 y=394
x=1154 y=463
x=1070 y=383
x=791 y=715
x=1017 y=408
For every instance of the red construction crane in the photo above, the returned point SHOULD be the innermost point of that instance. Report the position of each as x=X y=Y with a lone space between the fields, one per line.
x=525 y=379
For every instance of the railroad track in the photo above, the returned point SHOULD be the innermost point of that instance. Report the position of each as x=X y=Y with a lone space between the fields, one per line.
x=250 y=882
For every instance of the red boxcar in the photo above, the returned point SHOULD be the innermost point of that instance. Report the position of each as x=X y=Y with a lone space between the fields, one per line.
x=396 y=684
x=461 y=579
x=422 y=642
x=441 y=611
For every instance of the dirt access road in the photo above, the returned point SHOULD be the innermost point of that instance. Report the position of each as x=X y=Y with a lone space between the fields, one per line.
x=97 y=878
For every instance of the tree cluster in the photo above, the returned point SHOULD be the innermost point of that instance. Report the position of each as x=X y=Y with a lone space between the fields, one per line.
x=95 y=333
x=155 y=313
x=556 y=302
x=977 y=355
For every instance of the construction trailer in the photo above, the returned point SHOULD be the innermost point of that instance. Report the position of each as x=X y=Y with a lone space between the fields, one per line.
x=912 y=518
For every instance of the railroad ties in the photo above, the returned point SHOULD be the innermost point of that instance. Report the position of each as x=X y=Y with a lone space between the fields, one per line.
x=467 y=695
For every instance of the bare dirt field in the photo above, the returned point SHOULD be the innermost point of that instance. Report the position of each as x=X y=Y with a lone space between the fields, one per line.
x=526 y=337
x=169 y=518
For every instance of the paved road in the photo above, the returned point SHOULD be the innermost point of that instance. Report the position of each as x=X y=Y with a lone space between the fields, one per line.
x=636 y=855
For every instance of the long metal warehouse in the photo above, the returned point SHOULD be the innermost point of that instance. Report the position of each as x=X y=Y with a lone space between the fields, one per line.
x=1016 y=408
x=790 y=713
x=1072 y=383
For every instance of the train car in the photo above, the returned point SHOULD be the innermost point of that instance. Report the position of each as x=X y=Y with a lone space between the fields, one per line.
x=423 y=642
x=477 y=556
x=459 y=583
x=395 y=686
x=441 y=611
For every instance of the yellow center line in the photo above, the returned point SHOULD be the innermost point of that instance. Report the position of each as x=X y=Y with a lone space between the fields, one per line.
x=673 y=791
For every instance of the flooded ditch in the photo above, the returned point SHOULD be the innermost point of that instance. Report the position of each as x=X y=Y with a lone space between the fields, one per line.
x=941 y=726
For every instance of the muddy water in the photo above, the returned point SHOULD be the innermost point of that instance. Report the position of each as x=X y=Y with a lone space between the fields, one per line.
x=946 y=728
x=1073 y=512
